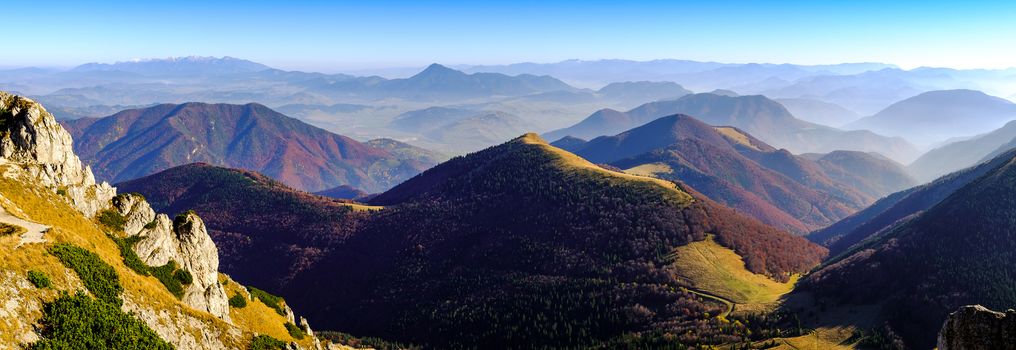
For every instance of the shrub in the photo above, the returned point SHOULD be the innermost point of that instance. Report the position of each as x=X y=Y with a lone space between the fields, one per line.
x=151 y=225
x=61 y=191
x=294 y=331
x=98 y=277
x=238 y=301
x=80 y=322
x=170 y=277
x=264 y=342
x=183 y=276
x=111 y=219
x=8 y=229
x=269 y=300
x=130 y=258
x=39 y=279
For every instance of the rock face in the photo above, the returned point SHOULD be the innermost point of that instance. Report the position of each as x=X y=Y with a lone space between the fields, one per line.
x=974 y=327
x=184 y=240
x=31 y=138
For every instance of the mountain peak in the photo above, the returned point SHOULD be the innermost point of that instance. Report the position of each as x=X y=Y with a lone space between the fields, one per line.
x=438 y=69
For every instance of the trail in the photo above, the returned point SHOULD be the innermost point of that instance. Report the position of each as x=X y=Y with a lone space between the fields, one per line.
x=729 y=304
x=34 y=232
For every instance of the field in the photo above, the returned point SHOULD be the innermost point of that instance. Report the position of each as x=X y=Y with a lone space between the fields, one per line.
x=711 y=268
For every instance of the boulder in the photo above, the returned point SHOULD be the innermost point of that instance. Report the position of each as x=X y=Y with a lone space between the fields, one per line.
x=974 y=327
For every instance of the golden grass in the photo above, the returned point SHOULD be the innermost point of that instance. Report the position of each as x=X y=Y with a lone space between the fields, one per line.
x=258 y=317
x=736 y=136
x=650 y=169
x=363 y=207
x=709 y=267
x=569 y=160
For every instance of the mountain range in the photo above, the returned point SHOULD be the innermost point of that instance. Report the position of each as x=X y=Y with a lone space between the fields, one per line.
x=964 y=153
x=139 y=142
x=757 y=115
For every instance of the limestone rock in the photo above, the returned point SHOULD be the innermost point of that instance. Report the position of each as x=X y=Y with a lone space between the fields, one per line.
x=136 y=211
x=31 y=138
x=974 y=327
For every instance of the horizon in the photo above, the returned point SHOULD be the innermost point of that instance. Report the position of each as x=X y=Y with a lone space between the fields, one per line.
x=328 y=37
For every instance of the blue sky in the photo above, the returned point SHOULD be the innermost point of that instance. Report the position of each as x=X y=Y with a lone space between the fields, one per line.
x=336 y=36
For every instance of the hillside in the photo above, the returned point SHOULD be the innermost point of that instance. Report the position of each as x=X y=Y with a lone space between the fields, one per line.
x=965 y=153
x=756 y=115
x=898 y=207
x=526 y=245
x=139 y=142
x=740 y=171
x=958 y=252
x=438 y=82
x=819 y=112
x=84 y=267
x=871 y=174
x=935 y=116
x=251 y=216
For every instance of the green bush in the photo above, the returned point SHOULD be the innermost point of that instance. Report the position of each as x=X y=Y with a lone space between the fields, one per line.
x=294 y=331
x=238 y=301
x=98 y=277
x=269 y=300
x=111 y=219
x=130 y=258
x=39 y=279
x=264 y=342
x=80 y=322
x=183 y=276
x=151 y=225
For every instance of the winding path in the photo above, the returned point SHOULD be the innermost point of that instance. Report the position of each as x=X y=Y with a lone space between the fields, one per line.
x=728 y=303
x=34 y=232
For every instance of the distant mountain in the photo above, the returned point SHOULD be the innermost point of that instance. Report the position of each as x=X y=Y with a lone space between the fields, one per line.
x=427 y=119
x=865 y=92
x=961 y=154
x=819 y=112
x=938 y=115
x=898 y=207
x=139 y=142
x=757 y=115
x=342 y=192
x=568 y=143
x=192 y=65
x=869 y=173
x=643 y=91
x=251 y=217
x=480 y=131
x=438 y=82
x=743 y=172
x=466 y=253
x=957 y=252
x=724 y=92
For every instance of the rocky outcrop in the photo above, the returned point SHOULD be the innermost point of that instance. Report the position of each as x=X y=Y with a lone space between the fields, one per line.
x=184 y=240
x=31 y=138
x=974 y=327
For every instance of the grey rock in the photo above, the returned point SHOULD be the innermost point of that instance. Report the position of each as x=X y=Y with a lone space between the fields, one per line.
x=974 y=327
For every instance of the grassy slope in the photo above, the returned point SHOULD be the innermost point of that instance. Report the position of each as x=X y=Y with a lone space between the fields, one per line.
x=717 y=270
x=68 y=226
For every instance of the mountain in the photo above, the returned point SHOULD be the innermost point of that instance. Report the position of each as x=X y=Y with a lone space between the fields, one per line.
x=643 y=91
x=740 y=171
x=342 y=192
x=869 y=173
x=964 y=153
x=479 y=131
x=898 y=207
x=526 y=245
x=429 y=118
x=438 y=82
x=568 y=143
x=139 y=142
x=819 y=112
x=935 y=116
x=958 y=252
x=757 y=115
x=85 y=267
x=251 y=216
x=189 y=66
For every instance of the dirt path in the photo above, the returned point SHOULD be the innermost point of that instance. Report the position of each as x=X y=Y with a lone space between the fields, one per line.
x=34 y=233
x=728 y=303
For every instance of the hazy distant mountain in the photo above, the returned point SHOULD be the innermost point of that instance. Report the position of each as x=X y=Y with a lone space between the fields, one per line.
x=743 y=172
x=938 y=115
x=961 y=154
x=192 y=65
x=865 y=93
x=440 y=82
x=757 y=115
x=819 y=112
x=427 y=119
x=724 y=92
x=957 y=252
x=479 y=131
x=342 y=192
x=643 y=91
x=139 y=142
x=568 y=143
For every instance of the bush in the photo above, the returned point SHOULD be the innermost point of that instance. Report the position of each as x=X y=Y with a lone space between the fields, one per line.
x=98 y=277
x=238 y=301
x=8 y=229
x=130 y=258
x=294 y=331
x=264 y=342
x=111 y=219
x=151 y=225
x=80 y=322
x=183 y=276
x=172 y=278
x=269 y=300
x=39 y=279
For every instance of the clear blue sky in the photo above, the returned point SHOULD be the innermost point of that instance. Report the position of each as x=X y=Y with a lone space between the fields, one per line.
x=335 y=36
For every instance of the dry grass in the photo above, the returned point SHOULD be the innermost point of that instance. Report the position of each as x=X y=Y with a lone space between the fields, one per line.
x=363 y=207
x=650 y=169
x=717 y=270
x=258 y=317
x=736 y=136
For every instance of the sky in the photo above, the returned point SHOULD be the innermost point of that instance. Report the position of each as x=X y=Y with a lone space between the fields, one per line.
x=333 y=36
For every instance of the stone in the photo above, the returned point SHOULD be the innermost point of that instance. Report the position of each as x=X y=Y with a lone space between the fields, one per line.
x=975 y=327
